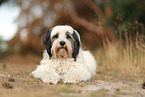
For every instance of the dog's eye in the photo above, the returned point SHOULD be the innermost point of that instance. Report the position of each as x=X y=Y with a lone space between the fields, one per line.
x=55 y=36
x=68 y=36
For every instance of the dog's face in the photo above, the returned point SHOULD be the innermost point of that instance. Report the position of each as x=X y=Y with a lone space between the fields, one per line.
x=62 y=42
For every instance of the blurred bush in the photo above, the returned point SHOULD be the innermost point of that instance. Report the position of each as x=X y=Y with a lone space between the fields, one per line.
x=2 y=1
x=0 y=45
x=98 y=21
x=37 y=17
x=3 y=46
x=124 y=11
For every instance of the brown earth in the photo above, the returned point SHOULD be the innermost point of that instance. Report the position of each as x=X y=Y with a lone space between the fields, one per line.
x=15 y=71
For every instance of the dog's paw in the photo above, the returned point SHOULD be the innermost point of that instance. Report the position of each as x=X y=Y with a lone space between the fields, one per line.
x=51 y=78
x=76 y=77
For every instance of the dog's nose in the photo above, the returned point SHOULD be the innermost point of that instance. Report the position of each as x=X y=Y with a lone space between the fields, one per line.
x=62 y=43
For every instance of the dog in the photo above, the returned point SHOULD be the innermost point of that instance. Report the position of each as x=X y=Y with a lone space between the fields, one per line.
x=64 y=60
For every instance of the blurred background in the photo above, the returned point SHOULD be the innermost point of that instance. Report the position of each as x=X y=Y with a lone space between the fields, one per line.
x=111 y=29
x=24 y=22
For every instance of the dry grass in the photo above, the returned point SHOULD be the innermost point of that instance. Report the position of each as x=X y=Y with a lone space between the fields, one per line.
x=126 y=62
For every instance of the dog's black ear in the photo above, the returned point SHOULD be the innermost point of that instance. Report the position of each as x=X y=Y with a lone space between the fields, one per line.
x=77 y=44
x=47 y=42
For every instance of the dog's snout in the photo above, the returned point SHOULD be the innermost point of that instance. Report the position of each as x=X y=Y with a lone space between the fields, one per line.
x=62 y=43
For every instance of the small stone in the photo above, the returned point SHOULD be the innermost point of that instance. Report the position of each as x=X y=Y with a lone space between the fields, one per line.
x=143 y=85
x=117 y=89
x=7 y=85
x=4 y=66
x=11 y=79
x=51 y=83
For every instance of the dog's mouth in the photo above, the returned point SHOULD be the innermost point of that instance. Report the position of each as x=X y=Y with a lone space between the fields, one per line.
x=62 y=52
x=62 y=48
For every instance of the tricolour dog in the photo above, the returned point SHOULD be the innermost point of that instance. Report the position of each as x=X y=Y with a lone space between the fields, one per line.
x=64 y=58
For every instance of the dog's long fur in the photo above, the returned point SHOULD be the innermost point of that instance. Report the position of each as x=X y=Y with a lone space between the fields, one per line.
x=79 y=66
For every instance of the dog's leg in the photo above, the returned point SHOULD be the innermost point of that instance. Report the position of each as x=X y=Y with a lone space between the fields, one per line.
x=76 y=74
x=46 y=74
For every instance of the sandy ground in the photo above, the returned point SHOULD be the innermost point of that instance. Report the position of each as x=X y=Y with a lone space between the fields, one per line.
x=16 y=81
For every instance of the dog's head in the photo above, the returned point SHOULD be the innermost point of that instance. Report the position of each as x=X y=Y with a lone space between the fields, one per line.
x=62 y=42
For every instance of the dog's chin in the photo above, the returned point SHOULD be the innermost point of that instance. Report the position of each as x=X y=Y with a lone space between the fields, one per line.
x=62 y=52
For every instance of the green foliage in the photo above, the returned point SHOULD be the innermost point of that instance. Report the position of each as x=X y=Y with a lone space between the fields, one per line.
x=3 y=46
x=126 y=11
x=2 y=1
x=128 y=18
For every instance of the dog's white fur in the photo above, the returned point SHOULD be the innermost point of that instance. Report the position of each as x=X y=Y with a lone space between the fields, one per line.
x=66 y=69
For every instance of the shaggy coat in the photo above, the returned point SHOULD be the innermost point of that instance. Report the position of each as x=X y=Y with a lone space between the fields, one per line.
x=73 y=66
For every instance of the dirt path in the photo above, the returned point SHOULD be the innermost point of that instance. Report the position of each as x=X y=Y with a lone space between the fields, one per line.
x=25 y=85
x=121 y=88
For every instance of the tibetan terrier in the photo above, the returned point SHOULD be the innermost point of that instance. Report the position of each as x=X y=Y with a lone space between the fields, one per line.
x=64 y=58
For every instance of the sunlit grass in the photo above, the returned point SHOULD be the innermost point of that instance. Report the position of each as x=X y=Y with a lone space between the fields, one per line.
x=126 y=61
